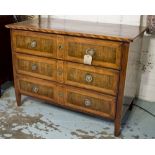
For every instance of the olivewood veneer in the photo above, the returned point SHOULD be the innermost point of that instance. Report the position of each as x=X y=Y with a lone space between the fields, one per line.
x=48 y=64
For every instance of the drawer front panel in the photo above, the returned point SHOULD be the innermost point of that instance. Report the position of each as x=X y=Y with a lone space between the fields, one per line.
x=99 y=104
x=37 y=89
x=106 y=53
x=72 y=97
x=98 y=79
x=35 y=43
x=35 y=66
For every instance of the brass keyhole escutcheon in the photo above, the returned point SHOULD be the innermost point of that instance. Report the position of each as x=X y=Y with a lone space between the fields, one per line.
x=60 y=71
x=60 y=47
x=61 y=94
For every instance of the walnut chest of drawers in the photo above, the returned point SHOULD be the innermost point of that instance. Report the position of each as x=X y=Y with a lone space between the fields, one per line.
x=48 y=61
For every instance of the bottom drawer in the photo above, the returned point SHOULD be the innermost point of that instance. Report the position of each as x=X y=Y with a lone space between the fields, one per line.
x=37 y=88
x=88 y=101
x=78 y=99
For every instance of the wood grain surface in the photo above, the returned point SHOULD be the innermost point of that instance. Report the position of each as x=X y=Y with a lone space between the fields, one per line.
x=114 y=32
x=106 y=53
x=68 y=96
x=90 y=77
x=48 y=64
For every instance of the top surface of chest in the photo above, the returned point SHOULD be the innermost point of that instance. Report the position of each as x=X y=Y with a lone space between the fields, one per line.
x=115 y=32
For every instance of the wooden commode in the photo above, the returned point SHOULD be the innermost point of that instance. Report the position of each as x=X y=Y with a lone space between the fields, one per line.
x=84 y=66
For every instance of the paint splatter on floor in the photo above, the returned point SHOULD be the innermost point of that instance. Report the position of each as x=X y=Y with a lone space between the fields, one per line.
x=36 y=119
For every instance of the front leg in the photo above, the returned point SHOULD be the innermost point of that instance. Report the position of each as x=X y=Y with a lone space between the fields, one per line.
x=117 y=130
x=18 y=97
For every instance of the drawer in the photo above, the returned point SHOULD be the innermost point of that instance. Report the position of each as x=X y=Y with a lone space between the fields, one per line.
x=35 y=66
x=35 y=43
x=90 y=77
x=106 y=53
x=37 y=88
x=87 y=101
x=68 y=96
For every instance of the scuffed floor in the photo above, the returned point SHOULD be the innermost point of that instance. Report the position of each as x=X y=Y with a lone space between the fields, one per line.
x=35 y=119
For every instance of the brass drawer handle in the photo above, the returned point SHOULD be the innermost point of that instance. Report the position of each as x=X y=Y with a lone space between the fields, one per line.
x=88 y=78
x=90 y=51
x=35 y=89
x=33 y=44
x=34 y=67
x=87 y=102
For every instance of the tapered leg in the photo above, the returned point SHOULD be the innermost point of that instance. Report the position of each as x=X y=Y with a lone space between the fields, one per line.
x=18 y=97
x=119 y=105
x=16 y=87
x=117 y=130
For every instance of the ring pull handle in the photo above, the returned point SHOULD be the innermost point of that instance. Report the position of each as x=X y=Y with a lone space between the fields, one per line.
x=34 y=67
x=35 y=89
x=88 y=78
x=87 y=102
x=90 y=51
x=33 y=44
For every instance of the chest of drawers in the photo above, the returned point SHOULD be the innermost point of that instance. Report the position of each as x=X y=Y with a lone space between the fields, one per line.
x=48 y=62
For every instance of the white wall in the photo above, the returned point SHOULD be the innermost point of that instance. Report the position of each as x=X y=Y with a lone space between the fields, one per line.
x=147 y=65
x=147 y=86
x=128 y=19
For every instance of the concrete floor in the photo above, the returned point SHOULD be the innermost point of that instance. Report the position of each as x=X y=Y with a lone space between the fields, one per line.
x=35 y=119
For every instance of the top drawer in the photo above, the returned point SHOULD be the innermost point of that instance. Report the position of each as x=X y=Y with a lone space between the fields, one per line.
x=106 y=53
x=35 y=43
